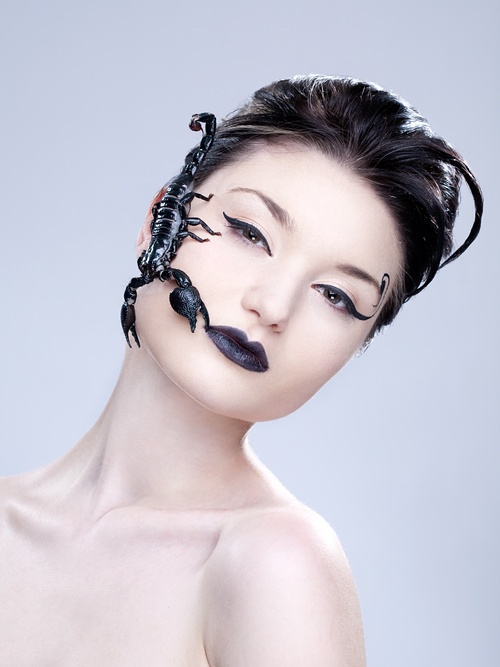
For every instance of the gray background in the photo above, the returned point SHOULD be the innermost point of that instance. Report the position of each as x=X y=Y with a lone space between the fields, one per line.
x=400 y=452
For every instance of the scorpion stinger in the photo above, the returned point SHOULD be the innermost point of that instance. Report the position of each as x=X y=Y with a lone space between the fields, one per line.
x=169 y=227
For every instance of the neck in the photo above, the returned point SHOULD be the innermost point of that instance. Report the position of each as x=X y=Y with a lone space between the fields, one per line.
x=155 y=445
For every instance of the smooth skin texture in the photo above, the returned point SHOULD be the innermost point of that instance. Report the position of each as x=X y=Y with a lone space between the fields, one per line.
x=160 y=539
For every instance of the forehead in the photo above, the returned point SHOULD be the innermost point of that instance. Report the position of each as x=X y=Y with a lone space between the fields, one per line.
x=331 y=210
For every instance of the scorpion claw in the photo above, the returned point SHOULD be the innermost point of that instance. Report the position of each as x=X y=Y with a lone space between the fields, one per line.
x=204 y=312
x=134 y=334
x=128 y=323
x=186 y=301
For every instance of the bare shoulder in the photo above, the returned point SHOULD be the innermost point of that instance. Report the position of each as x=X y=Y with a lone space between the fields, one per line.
x=295 y=534
x=16 y=499
x=10 y=488
x=17 y=486
x=9 y=498
x=281 y=592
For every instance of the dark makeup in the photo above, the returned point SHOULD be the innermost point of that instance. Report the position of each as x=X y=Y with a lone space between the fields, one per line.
x=234 y=345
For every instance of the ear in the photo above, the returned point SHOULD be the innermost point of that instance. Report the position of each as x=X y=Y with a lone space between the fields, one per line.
x=144 y=236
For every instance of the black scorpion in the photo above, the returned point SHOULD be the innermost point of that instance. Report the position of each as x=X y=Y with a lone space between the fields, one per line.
x=169 y=227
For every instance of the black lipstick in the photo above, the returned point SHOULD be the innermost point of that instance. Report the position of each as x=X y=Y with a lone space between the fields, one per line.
x=235 y=346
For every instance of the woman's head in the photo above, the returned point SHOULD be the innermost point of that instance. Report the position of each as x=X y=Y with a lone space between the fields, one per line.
x=373 y=196
x=382 y=140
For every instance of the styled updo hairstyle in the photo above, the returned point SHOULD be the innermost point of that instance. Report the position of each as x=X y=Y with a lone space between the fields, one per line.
x=377 y=136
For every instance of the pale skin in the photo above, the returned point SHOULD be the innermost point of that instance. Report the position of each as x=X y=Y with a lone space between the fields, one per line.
x=160 y=539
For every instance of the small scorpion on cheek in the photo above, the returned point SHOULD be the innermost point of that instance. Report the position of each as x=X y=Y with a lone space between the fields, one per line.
x=169 y=227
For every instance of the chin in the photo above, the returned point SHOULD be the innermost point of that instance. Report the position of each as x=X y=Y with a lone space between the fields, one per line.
x=244 y=396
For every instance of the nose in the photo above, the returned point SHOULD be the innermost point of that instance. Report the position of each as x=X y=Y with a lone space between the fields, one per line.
x=272 y=300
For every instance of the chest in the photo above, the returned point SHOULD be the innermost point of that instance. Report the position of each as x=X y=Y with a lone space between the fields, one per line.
x=127 y=593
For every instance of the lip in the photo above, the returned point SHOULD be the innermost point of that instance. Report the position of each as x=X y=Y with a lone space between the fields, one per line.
x=235 y=346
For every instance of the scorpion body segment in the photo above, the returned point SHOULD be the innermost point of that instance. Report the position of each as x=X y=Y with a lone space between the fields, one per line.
x=169 y=227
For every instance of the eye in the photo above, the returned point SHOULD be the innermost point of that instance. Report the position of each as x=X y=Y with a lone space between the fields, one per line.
x=249 y=233
x=339 y=300
x=335 y=297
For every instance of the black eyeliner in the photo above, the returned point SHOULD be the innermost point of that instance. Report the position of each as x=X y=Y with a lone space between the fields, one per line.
x=246 y=226
x=349 y=305
x=351 y=308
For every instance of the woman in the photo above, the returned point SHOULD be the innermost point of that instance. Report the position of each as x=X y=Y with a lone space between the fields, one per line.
x=160 y=539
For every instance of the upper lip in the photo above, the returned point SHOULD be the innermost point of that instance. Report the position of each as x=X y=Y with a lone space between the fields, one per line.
x=234 y=344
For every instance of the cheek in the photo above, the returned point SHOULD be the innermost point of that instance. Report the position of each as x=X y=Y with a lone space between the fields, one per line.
x=215 y=267
x=312 y=371
x=307 y=359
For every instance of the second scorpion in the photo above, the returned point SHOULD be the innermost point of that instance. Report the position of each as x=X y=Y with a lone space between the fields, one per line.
x=169 y=227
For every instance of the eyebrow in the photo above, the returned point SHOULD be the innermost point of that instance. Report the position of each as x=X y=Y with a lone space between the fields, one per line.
x=275 y=209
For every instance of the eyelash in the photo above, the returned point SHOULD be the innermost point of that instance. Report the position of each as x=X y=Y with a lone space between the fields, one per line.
x=328 y=291
x=243 y=229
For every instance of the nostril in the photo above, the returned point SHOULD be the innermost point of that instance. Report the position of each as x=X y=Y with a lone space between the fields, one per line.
x=271 y=302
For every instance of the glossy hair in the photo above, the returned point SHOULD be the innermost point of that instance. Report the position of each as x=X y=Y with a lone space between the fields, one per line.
x=379 y=137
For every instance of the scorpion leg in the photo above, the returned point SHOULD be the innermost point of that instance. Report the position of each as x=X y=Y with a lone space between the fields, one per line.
x=200 y=196
x=128 y=309
x=186 y=300
x=182 y=235
x=198 y=221
x=189 y=196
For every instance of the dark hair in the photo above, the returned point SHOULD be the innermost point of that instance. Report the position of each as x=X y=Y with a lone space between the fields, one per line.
x=379 y=137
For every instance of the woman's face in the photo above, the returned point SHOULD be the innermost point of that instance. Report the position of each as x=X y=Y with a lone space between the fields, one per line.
x=302 y=239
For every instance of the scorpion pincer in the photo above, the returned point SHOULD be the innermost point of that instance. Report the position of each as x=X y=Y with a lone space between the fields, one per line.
x=169 y=227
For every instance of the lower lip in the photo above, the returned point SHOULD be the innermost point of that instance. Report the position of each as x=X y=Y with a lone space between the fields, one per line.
x=236 y=352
